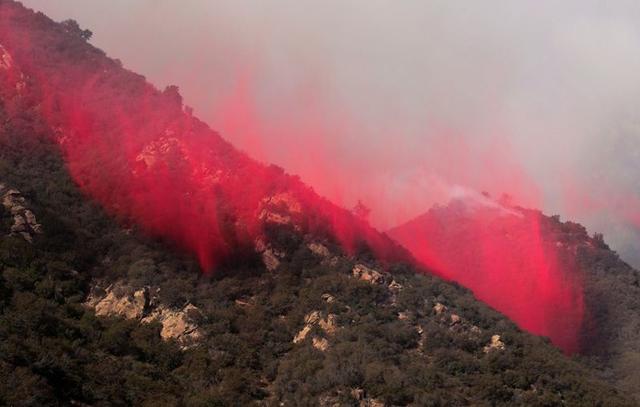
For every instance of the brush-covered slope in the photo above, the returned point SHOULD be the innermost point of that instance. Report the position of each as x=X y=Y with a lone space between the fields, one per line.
x=321 y=328
x=549 y=276
x=114 y=199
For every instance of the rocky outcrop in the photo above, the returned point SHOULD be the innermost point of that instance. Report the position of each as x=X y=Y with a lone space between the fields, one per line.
x=328 y=325
x=328 y=298
x=319 y=249
x=113 y=303
x=24 y=221
x=496 y=344
x=142 y=305
x=6 y=62
x=14 y=76
x=280 y=209
x=322 y=344
x=439 y=308
x=270 y=256
x=360 y=396
x=177 y=324
x=364 y=273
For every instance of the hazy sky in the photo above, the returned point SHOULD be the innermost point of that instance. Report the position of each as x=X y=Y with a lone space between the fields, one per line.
x=398 y=102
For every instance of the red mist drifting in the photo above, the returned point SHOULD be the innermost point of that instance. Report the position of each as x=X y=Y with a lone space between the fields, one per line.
x=509 y=257
x=147 y=160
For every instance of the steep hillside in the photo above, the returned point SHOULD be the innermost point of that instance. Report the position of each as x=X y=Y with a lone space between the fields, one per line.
x=95 y=314
x=114 y=199
x=549 y=276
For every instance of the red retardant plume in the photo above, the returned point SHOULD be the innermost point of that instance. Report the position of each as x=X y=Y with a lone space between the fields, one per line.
x=148 y=161
x=511 y=258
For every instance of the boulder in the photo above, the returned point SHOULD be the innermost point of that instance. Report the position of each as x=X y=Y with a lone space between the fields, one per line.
x=319 y=249
x=367 y=274
x=176 y=324
x=126 y=306
x=496 y=344
x=320 y=343
x=24 y=221
x=439 y=308
x=329 y=325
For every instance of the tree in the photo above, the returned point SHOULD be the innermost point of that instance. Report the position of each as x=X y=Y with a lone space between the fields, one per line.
x=173 y=92
x=73 y=27
x=361 y=211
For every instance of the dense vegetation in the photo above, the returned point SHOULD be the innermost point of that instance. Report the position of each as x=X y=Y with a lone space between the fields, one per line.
x=392 y=346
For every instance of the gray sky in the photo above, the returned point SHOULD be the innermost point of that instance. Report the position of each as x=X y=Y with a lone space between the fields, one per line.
x=399 y=102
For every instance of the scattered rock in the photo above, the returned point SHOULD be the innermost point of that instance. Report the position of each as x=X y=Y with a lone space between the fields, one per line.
x=312 y=318
x=328 y=298
x=159 y=151
x=495 y=344
x=327 y=401
x=279 y=208
x=270 y=257
x=244 y=302
x=320 y=343
x=365 y=273
x=328 y=325
x=126 y=306
x=319 y=249
x=395 y=286
x=423 y=337
x=455 y=319
x=270 y=260
x=25 y=224
x=6 y=62
x=176 y=324
x=358 y=394
x=403 y=315
x=302 y=334
x=439 y=308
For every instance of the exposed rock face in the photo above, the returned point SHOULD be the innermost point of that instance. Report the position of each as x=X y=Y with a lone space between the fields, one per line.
x=280 y=209
x=363 y=401
x=495 y=344
x=176 y=324
x=161 y=150
x=439 y=308
x=270 y=257
x=403 y=315
x=394 y=285
x=142 y=305
x=319 y=249
x=365 y=273
x=328 y=298
x=6 y=62
x=126 y=306
x=320 y=343
x=24 y=221
x=329 y=325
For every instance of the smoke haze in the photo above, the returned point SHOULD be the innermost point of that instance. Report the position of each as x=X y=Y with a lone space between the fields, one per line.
x=399 y=104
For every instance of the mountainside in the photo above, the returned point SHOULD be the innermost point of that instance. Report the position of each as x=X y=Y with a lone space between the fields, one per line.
x=115 y=200
x=549 y=276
